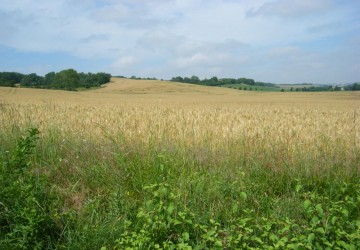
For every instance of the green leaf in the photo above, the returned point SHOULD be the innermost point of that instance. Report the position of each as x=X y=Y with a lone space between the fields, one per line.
x=218 y=243
x=243 y=196
x=320 y=230
x=345 y=212
x=170 y=208
x=342 y=244
x=329 y=244
x=307 y=204
x=234 y=208
x=163 y=191
x=176 y=222
x=333 y=220
x=298 y=187
x=149 y=204
x=357 y=223
x=319 y=210
x=292 y=246
x=185 y=236
x=273 y=237
x=315 y=220
x=311 y=237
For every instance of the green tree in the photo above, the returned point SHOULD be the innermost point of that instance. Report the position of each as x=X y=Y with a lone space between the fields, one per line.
x=49 y=79
x=67 y=79
x=247 y=81
x=195 y=79
x=32 y=80
x=187 y=79
x=177 y=79
x=9 y=79
x=214 y=79
x=355 y=86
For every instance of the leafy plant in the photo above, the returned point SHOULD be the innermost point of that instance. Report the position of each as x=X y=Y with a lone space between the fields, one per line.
x=326 y=225
x=25 y=216
x=158 y=224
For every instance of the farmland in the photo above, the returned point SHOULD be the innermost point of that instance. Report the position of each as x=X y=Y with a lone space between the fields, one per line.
x=254 y=87
x=161 y=164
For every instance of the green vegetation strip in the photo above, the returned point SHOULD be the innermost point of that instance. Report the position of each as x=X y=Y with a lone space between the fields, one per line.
x=68 y=79
x=157 y=200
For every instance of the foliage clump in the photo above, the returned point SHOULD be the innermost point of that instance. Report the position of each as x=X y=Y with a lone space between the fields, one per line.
x=25 y=205
x=161 y=224
x=68 y=79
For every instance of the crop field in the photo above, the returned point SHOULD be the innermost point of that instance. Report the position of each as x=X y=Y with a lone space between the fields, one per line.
x=155 y=164
x=253 y=87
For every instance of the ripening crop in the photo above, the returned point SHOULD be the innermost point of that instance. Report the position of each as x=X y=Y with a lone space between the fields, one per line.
x=208 y=124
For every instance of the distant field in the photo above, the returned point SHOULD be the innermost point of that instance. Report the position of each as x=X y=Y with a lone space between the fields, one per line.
x=294 y=86
x=172 y=93
x=232 y=162
x=253 y=87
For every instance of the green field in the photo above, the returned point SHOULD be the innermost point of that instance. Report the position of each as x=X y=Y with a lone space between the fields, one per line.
x=294 y=86
x=252 y=87
x=162 y=165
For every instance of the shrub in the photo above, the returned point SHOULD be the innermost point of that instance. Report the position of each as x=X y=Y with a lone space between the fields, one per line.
x=25 y=216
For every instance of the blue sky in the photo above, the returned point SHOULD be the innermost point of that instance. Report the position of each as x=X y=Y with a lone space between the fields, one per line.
x=280 y=41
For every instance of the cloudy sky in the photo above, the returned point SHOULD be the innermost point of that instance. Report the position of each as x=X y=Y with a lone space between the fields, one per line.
x=280 y=41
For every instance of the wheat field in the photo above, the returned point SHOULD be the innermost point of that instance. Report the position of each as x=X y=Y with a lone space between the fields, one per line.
x=191 y=116
x=211 y=145
x=204 y=121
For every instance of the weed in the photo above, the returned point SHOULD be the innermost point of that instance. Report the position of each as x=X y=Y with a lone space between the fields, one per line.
x=25 y=217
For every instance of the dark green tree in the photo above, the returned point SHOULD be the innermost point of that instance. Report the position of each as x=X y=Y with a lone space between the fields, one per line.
x=177 y=79
x=32 y=80
x=49 y=79
x=9 y=79
x=355 y=86
x=67 y=79
x=195 y=80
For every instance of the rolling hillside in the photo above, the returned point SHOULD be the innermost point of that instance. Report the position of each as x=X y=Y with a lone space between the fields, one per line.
x=121 y=90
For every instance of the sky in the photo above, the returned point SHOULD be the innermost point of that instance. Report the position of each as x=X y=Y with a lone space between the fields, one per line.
x=279 y=41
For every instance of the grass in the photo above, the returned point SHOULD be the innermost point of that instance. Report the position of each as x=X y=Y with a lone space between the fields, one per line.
x=148 y=164
x=253 y=87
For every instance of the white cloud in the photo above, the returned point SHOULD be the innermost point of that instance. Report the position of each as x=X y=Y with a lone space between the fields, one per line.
x=293 y=8
x=193 y=60
x=178 y=37
x=160 y=40
x=124 y=62
x=283 y=51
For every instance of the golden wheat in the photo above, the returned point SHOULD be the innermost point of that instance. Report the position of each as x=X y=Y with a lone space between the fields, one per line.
x=221 y=122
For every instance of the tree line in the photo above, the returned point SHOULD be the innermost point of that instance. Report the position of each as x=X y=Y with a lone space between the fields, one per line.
x=317 y=88
x=214 y=81
x=68 y=79
x=353 y=87
x=349 y=87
